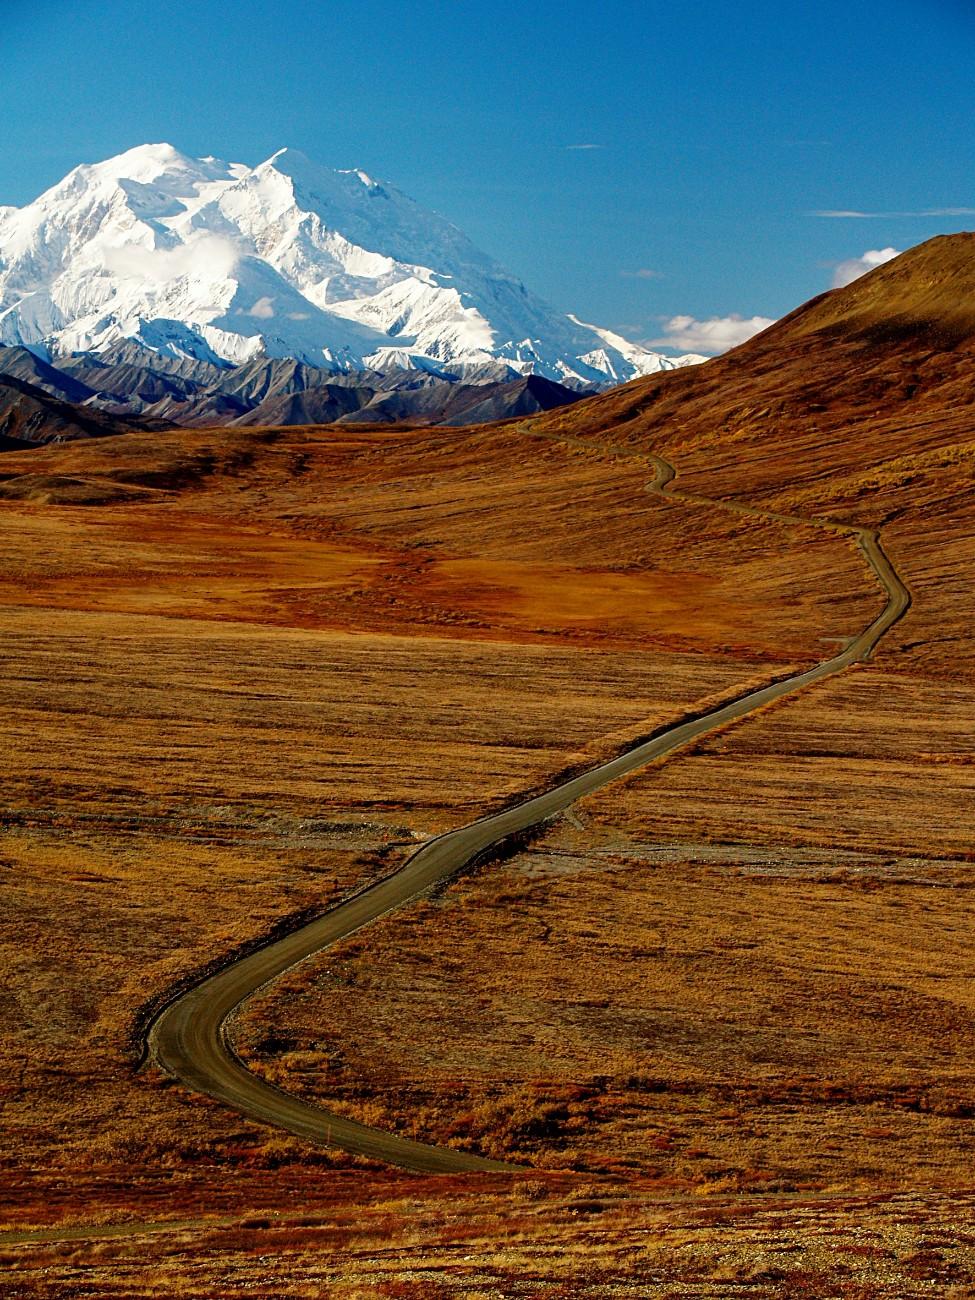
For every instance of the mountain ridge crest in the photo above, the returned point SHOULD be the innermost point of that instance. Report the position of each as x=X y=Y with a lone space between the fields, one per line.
x=221 y=262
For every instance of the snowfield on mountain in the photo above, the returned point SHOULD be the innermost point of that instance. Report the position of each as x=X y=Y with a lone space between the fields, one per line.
x=224 y=263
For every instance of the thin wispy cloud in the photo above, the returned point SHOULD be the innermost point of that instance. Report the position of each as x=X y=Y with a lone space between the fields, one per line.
x=643 y=273
x=855 y=215
x=584 y=146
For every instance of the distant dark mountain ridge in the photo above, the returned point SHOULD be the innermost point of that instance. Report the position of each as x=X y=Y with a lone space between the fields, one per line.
x=29 y=415
x=20 y=363
x=130 y=386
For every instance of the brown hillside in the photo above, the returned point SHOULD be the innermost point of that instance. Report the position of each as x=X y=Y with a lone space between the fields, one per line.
x=926 y=295
x=249 y=668
x=880 y=369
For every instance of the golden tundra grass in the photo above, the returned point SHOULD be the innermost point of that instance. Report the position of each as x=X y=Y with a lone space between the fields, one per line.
x=724 y=1009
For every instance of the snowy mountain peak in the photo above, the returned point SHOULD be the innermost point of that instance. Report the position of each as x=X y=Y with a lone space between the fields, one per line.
x=201 y=258
x=302 y=169
x=143 y=165
x=145 y=161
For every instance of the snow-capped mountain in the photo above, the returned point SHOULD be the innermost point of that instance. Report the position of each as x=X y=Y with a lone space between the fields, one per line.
x=224 y=263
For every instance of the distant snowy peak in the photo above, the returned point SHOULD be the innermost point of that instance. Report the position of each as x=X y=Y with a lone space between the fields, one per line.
x=220 y=262
x=635 y=354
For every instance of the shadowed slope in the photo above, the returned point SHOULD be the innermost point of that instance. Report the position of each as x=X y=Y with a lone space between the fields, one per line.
x=880 y=368
x=29 y=415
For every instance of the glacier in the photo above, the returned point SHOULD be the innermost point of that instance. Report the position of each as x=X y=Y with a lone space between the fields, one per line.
x=212 y=261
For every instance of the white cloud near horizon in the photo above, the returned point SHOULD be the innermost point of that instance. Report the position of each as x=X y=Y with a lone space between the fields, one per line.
x=719 y=334
x=854 y=215
x=846 y=272
x=207 y=255
x=712 y=336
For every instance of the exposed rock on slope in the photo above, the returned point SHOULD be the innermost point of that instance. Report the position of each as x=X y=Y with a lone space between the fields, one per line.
x=29 y=416
x=132 y=382
x=20 y=363
x=438 y=403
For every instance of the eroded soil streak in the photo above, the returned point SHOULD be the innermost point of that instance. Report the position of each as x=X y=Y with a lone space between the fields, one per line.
x=190 y=1039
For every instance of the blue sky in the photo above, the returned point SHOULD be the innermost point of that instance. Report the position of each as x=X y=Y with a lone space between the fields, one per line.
x=714 y=132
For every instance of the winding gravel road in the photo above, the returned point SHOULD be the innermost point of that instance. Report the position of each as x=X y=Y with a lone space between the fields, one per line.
x=189 y=1037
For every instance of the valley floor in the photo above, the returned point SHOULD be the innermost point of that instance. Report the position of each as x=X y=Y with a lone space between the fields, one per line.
x=721 y=1008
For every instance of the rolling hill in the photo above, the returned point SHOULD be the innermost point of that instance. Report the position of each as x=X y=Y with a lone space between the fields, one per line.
x=725 y=999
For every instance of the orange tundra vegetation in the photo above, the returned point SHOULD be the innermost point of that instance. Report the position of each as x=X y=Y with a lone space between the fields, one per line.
x=722 y=1009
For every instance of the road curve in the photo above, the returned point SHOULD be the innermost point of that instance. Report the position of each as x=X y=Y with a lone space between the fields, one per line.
x=189 y=1037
